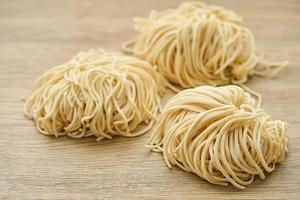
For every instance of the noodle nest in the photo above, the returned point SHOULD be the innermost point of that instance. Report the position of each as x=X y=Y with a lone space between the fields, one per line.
x=220 y=134
x=99 y=94
x=198 y=44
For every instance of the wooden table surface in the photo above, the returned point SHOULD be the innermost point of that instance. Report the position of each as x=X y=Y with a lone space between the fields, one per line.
x=36 y=35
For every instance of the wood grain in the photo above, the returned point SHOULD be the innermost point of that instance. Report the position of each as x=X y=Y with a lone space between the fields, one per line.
x=36 y=35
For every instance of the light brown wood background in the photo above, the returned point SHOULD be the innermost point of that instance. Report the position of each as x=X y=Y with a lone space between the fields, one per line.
x=36 y=35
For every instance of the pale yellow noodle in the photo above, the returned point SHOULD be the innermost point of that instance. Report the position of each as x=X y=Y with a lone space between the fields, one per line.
x=220 y=134
x=97 y=93
x=198 y=44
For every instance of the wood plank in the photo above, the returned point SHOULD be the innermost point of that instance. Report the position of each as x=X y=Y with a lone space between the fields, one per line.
x=36 y=35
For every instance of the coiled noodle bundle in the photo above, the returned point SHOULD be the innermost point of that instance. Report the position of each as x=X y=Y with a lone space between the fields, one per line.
x=219 y=134
x=97 y=93
x=198 y=44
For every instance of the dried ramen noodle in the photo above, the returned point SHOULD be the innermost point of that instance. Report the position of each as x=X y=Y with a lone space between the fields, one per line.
x=198 y=44
x=97 y=93
x=219 y=134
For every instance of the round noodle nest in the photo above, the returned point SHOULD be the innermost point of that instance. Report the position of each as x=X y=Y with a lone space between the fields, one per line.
x=198 y=44
x=219 y=134
x=96 y=93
